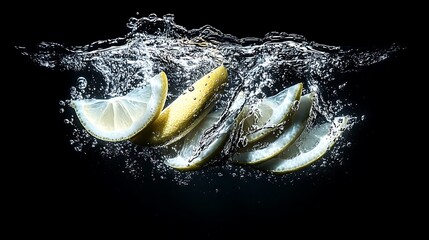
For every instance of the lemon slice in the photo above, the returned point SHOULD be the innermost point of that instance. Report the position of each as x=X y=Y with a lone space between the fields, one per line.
x=120 y=118
x=184 y=113
x=201 y=144
x=310 y=147
x=271 y=112
x=274 y=143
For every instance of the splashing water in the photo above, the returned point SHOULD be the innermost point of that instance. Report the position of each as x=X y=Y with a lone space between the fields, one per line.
x=260 y=66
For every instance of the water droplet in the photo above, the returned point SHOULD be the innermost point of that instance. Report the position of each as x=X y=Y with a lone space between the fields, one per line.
x=78 y=148
x=342 y=85
x=363 y=117
x=314 y=88
x=243 y=142
x=73 y=91
x=168 y=17
x=132 y=22
x=61 y=110
x=82 y=83
x=152 y=16
x=349 y=144
x=220 y=174
x=216 y=190
x=191 y=88
x=66 y=121
x=62 y=103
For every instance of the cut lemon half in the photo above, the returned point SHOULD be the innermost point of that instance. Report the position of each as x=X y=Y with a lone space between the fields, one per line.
x=184 y=113
x=274 y=143
x=207 y=139
x=310 y=147
x=120 y=118
x=271 y=112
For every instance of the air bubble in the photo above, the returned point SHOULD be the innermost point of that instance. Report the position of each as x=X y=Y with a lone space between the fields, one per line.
x=78 y=148
x=82 y=83
x=314 y=88
x=341 y=86
x=73 y=91
x=168 y=17
x=152 y=16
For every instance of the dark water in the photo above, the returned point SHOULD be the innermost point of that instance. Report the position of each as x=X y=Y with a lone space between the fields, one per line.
x=260 y=66
x=102 y=182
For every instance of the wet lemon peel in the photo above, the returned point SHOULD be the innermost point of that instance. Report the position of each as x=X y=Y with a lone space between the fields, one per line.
x=184 y=113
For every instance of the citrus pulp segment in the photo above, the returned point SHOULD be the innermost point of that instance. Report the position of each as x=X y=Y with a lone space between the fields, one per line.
x=278 y=140
x=120 y=118
x=271 y=112
x=310 y=147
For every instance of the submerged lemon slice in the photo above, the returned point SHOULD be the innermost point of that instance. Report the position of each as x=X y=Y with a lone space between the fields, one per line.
x=184 y=113
x=271 y=112
x=310 y=147
x=201 y=144
x=277 y=141
x=123 y=117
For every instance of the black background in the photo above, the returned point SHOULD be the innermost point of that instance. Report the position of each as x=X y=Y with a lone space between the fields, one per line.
x=49 y=184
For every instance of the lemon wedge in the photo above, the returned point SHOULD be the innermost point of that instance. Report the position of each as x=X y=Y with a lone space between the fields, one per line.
x=207 y=139
x=271 y=112
x=185 y=112
x=278 y=140
x=121 y=118
x=310 y=147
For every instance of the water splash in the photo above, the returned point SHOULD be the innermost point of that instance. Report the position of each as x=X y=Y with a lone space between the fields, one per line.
x=260 y=66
